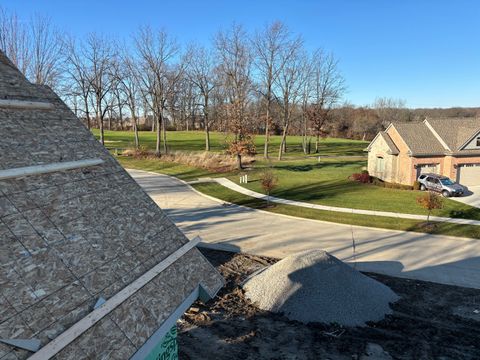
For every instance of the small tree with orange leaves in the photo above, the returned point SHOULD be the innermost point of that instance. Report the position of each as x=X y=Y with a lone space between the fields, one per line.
x=269 y=182
x=242 y=143
x=430 y=201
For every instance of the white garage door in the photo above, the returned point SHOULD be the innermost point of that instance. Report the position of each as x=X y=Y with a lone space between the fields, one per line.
x=469 y=174
x=428 y=168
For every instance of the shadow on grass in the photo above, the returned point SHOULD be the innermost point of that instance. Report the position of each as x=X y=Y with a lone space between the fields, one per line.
x=318 y=191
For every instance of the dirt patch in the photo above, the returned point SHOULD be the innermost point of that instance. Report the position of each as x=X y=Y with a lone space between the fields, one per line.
x=430 y=321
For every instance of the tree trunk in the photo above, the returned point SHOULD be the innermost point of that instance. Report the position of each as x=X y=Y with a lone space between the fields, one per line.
x=100 y=120
x=207 y=125
x=135 y=130
x=317 y=144
x=102 y=136
x=239 y=162
x=87 y=113
x=164 y=131
x=282 y=143
x=267 y=132
x=157 y=145
x=207 y=137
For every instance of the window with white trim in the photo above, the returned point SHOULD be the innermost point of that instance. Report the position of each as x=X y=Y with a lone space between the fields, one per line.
x=380 y=164
x=478 y=141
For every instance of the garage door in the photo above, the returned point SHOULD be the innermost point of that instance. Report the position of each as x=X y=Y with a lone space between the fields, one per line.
x=469 y=174
x=428 y=168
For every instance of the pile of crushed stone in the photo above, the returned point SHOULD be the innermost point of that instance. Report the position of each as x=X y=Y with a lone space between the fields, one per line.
x=314 y=286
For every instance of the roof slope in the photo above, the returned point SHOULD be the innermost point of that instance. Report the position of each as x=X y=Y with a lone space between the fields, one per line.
x=391 y=145
x=70 y=237
x=455 y=131
x=419 y=138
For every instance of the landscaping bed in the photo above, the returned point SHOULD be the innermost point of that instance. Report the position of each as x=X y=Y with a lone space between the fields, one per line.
x=429 y=321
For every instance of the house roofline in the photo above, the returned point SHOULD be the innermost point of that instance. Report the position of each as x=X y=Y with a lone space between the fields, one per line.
x=398 y=132
x=437 y=136
x=477 y=133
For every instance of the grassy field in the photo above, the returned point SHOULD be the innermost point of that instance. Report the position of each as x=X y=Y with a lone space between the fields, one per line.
x=327 y=182
x=449 y=229
x=300 y=178
x=195 y=141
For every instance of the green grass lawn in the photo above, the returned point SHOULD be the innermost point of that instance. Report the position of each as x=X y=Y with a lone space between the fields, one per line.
x=300 y=178
x=195 y=141
x=449 y=229
x=327 y=182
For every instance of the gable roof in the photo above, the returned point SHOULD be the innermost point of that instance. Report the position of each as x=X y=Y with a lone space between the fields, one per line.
x=455 y=131
x=419 y=138
x=75 y=231
x=392 y=148
x=437 y=137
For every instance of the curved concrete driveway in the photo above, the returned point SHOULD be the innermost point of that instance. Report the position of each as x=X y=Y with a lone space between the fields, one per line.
x=442 y=259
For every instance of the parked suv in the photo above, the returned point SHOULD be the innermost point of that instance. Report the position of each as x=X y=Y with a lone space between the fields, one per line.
x=441 y=184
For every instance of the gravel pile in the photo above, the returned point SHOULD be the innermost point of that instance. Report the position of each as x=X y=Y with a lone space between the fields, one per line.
x=314 y=286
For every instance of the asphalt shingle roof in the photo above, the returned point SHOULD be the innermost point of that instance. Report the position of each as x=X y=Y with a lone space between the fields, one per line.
x=419 y=138
x=391 y=145
x=455 y=131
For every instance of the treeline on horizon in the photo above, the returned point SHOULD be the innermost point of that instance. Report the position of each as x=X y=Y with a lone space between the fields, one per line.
x=243 y=83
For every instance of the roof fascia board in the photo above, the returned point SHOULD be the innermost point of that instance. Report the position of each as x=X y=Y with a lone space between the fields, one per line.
x=374 y=139
x=437 y=136
x=72 y=333
x=47 y=168
x=28 y=105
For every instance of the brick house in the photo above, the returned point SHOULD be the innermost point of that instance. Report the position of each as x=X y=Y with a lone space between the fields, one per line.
x=449 y=147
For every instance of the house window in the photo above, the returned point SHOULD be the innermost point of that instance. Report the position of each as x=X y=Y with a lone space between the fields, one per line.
x=478 y=141
x=380 y=165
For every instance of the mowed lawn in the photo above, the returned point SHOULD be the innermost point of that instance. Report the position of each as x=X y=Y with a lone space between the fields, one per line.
x=321 y=181
x=195 y=141
x=327 y=182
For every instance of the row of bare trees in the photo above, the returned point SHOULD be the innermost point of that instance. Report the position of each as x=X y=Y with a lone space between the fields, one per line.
x=265 y=82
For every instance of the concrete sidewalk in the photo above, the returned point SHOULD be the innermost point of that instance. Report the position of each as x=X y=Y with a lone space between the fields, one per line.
x=442 y=259
x=233 y=186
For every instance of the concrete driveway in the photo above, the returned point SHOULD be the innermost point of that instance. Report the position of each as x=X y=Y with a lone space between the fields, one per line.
x=472 y=198
x=441 y=259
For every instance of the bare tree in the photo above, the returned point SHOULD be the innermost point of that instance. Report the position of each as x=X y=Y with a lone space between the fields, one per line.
x=235 y=66
x=129 y=85
x=270 y=46
x=290 y=82
x=15 y=40
x=77 y=75
x=46 y=52
x=390 y=110
x=328 y=86
x=201 y=72
x=98 y=53
x=157 y=52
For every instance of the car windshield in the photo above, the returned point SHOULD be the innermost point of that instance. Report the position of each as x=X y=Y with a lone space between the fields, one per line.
x=447 y=181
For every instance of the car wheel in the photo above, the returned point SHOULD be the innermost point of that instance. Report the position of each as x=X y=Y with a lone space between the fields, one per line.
x=445 y=193
x=422 y=187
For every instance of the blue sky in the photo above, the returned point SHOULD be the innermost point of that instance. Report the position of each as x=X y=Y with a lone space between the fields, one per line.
x=426 y=52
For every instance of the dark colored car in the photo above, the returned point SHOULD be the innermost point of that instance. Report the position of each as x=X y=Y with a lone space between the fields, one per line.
x=441 y=184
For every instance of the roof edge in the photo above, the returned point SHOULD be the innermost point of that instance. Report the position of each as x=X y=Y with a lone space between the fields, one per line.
x=434 y=132
x=76 y=330
x=477 y=133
